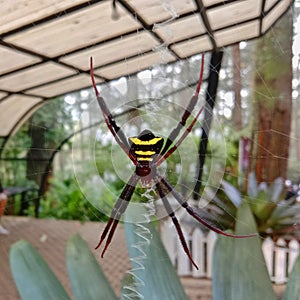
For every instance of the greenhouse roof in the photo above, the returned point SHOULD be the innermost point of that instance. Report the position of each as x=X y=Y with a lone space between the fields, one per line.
x=46 y=45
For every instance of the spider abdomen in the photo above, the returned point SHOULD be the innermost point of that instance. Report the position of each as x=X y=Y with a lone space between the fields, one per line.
x=145 y=147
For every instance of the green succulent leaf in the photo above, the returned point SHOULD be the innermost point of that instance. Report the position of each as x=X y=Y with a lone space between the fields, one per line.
x=222 y=277
x=86 y=276
x=292 y=290
x=233 y=193
x=286 y=208
x=239 y=269
x=32 y=275
x=262 y=207
x=128 y=290
x=220 y=203
x=154 y=275
x=276 y=189
x=288 y=211
x=252 y=189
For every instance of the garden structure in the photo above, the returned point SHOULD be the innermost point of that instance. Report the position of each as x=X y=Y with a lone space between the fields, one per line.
x=47 y=46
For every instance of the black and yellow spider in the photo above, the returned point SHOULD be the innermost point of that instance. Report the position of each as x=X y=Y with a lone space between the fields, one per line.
x=147 y=152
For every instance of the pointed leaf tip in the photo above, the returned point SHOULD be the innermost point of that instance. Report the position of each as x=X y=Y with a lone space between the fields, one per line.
x=33 y=277
x=88 y=281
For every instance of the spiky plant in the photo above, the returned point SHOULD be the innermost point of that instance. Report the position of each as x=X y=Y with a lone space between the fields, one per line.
x=276 y=215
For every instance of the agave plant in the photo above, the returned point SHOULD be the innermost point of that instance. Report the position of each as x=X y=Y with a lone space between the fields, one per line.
x=233 y=279
x=153 y=276
x=156 y=279
x=275 y=214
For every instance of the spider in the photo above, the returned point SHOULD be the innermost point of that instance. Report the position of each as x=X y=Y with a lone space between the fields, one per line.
x=147 y=151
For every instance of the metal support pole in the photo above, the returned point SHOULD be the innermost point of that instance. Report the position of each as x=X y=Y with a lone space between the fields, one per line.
x=210 y=99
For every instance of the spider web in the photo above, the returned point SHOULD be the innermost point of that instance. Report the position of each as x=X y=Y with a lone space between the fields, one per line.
x=223 y=114
x=149 y=101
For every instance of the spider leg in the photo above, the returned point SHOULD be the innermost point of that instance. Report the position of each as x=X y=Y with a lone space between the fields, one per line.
x=175 y=222
x=116 y=131
x=180 y=140
x=195 y=214
x=117 y=212
x=173 y=135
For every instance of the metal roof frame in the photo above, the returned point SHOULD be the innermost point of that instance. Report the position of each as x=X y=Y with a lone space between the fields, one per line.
x=46 y=45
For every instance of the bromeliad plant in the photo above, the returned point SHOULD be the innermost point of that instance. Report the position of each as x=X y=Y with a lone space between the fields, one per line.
x=275 y=214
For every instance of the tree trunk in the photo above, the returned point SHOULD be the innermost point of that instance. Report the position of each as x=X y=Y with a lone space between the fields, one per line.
x=37 y=155
x=273 y=96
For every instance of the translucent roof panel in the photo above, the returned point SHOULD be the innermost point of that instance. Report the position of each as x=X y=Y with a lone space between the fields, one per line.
x=46 y=45
x=22 y=108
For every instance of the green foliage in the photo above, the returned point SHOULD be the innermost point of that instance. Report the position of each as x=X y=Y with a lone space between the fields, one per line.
x=35 y=280
x=274 y=215
x=65 y=200
x=233 y=278
x=12 y=171
x=55 y=123
x=293 y=171
x=103 y=158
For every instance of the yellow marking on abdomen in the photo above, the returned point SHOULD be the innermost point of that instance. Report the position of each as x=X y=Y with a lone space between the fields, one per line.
x=144 y=158
x=139 y=152
x=137 y=141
